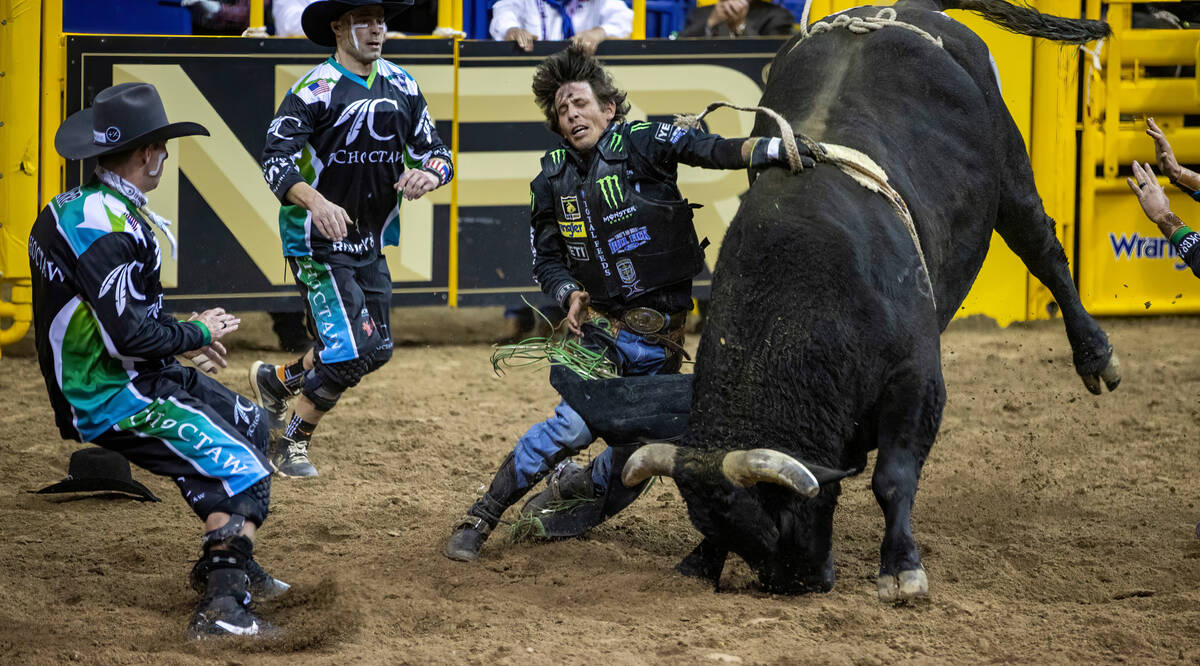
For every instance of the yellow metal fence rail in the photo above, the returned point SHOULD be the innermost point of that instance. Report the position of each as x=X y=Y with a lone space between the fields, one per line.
x=1039 y=84
x=20 y=55
x=1126 y=267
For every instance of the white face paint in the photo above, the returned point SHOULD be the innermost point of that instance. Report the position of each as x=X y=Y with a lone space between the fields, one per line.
x=354 y=28
x=162 y=157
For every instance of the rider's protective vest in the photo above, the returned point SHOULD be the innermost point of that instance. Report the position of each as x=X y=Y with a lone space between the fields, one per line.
x=620 y=243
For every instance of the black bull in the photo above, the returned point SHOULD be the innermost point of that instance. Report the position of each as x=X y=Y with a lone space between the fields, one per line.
x=823 y=339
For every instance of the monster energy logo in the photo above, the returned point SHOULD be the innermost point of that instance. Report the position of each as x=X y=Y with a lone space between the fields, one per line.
x=610 y=187
x=557 y=155
x=614 y=142
x=637 y=127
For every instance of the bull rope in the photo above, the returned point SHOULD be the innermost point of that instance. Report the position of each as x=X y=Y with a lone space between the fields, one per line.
x=854 y=163
x=861 y=25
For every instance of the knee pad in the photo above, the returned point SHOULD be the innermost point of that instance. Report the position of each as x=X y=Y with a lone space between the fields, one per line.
x=341 y=375
x=382 y=354
x=319 y=391
x=252 y=504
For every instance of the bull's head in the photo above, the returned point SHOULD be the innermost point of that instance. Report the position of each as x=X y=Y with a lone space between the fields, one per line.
x=766 y=506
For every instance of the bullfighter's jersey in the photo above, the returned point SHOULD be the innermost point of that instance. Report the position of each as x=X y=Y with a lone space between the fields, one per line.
x=350 y=139
x=98 y=309
x=652 y=152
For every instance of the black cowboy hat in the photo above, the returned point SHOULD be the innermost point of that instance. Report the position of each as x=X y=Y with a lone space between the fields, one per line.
x=93 y=469
x=123 y=117
x=316 y=17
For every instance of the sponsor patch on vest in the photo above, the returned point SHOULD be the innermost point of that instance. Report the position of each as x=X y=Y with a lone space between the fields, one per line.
x=628 y=277
x=662 y=133
x=572 y=229
x=610 y=188
x=677 y=134
x=578 y=251
x=620 y=215
x=628 y=240
x=570 y=208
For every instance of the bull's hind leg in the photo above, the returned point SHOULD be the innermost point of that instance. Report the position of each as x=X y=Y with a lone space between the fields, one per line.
x=909 y=416
x=1025 y=227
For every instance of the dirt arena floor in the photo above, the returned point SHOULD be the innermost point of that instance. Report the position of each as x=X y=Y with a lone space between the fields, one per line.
x=1055 y=526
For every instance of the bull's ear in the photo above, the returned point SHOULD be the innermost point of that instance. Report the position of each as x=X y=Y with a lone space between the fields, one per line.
x=826 y=475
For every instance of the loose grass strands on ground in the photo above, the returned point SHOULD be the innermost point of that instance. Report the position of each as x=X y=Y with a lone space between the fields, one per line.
x=534 y=352
x=526 y=526
x=529 y=525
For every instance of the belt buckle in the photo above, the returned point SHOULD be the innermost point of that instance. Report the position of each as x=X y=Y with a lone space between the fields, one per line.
x=644 y=321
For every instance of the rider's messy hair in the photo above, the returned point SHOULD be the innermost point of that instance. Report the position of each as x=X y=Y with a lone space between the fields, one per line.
x=569 y=66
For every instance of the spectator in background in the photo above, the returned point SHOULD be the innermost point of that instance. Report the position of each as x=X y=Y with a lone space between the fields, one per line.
x=584 y=22
x=738 y=18
x=222 y=17
x=287 y=17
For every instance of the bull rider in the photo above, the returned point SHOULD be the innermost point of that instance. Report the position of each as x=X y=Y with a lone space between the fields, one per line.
x=613 y=244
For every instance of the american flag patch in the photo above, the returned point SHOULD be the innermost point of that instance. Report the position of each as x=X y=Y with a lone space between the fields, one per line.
x=440 y=167
x=318 y=87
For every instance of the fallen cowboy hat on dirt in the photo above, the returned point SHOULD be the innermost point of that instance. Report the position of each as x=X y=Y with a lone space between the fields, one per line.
x=316 y=17
x=123 y=117
x=94 y=469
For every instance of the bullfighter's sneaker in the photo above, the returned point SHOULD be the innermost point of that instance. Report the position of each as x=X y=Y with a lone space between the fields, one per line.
x=269 y=392
x=263 y=586
x=222 y=611
x=291 y=458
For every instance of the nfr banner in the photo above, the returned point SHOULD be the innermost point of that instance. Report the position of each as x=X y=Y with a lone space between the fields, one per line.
x=226 y=217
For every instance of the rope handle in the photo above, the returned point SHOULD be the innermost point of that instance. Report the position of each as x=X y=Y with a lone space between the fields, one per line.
x=787 y=134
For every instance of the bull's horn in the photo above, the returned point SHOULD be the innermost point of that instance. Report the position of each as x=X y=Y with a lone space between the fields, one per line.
x=746 y=468
x=650 y=460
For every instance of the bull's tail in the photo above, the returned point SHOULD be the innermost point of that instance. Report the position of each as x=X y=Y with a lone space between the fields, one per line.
x=1025 y=20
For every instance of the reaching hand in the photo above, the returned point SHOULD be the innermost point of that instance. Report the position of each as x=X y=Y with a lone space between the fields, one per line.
x=523 y=38
x=588 y=40
x=1153 y=200
x=735 y=14
x=577 y=310
x=1167 y=163
x=416 y=183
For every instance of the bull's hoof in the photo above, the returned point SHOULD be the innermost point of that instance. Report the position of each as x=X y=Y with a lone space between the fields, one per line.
x=1110 y=375
x=906 y=586
x=705 y=562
